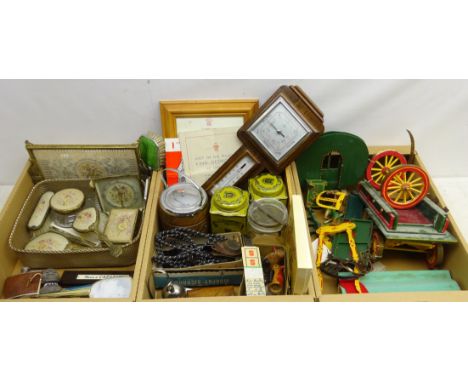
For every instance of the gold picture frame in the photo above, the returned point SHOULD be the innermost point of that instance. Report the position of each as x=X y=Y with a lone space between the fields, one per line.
x=173 y=109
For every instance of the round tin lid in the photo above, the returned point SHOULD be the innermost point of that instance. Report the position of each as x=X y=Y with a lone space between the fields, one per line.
x=67 y=200
x=267 y=185
x=267 y=215
x=183 y=199
x=230 y=198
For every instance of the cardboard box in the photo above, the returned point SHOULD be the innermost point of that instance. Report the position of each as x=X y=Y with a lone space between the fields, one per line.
x=456 y=260
x=9 y=263
x=296 y=234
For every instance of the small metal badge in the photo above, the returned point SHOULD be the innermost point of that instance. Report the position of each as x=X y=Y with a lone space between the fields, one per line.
x=50 y=280
x=172 y=290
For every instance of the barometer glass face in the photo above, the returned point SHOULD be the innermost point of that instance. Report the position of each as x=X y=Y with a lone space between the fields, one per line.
x=279 y=130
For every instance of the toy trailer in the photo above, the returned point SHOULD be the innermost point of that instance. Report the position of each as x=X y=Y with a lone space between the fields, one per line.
x=420 y=229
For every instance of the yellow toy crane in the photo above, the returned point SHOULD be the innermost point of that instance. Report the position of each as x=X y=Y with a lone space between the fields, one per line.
x=322 y=233
x=334 y=202
x=331 y=199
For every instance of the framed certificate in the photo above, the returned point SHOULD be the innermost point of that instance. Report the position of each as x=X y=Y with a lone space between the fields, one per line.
x=204 y=151
x=207 y=131
x=183 y=115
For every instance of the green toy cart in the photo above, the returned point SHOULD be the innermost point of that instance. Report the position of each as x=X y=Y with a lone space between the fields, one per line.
x=421 y=229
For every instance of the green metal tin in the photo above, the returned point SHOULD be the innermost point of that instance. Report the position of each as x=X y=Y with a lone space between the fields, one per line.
x=268 y=186
x=229 y=206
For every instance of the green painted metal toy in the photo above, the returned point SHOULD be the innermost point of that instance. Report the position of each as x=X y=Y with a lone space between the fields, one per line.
x=421 y=229
x=314 y=188
x=350 y=248
x=338 y=158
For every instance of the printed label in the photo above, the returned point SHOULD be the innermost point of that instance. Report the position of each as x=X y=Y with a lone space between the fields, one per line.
x=253 y=272
x=97 y=277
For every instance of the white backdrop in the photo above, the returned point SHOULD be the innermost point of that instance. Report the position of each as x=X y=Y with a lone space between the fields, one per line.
x=118 y=111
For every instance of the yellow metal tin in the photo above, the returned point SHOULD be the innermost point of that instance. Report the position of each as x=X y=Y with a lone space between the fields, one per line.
x=229 y=206
x=267 y=186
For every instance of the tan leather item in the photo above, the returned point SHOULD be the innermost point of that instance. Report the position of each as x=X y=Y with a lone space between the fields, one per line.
x=24 y=284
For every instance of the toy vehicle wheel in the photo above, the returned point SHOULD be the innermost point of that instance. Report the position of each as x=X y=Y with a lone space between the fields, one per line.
x=435 y=258
x=377 y=246
x=405 y=187
x=381 y=165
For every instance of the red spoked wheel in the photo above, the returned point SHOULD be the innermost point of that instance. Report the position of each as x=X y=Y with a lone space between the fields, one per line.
x=381 y=165
x=405 y=187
